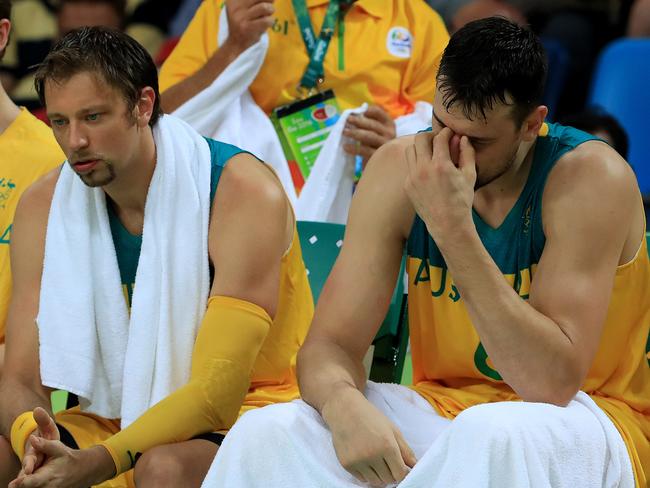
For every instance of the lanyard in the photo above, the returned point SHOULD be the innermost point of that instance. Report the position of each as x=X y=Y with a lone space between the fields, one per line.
x=316 y=48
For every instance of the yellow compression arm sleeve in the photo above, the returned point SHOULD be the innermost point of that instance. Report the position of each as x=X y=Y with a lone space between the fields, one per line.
x=21 y=429
x=227 y=345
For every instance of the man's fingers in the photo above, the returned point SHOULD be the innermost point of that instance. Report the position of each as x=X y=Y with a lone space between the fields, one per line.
x=408 y=456
x=29 y=461
x=244 y=4
x=441 y=144
x=467 y=157
x=17 y=481
x=34 y=481
x=378 y=113
x=46 y=425
x=358 y=475
x=384 y=473
x=47 y=447
x=365 y=137
x=370 y=476
x=260 y=25
x=366 y=123
x=397 y=467
x=260 y=10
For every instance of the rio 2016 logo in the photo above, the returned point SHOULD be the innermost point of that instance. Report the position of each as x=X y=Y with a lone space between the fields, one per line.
x=399 y=42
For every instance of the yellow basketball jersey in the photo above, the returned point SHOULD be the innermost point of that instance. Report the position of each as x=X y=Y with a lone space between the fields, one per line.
x=274 y=374
x=451 y=368
x=28 y=150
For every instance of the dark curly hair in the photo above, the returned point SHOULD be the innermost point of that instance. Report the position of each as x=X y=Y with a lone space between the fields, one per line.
x=493 y=60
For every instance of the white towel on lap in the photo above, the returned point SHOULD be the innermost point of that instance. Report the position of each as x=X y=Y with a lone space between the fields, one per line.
x=507 y=444
x=120 y=365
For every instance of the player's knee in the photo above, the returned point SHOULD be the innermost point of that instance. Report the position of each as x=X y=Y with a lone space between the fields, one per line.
x=9 y=465
x=268 y=423
x=160 y=467
x=496 y=424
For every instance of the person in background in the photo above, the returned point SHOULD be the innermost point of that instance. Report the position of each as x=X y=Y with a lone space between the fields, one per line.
x=601 y=125
x=28 y=150
x=380 y=53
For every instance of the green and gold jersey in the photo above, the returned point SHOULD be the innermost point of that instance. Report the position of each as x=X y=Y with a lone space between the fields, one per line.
x=451 y=368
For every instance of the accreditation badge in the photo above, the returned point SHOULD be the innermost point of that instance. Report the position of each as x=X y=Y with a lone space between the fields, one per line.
x=303 y=127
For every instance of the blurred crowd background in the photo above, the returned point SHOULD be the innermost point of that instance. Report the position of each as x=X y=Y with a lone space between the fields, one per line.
x=575 y=33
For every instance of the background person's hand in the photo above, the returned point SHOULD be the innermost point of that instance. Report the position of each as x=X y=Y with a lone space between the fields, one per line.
x=370 y=131
x=367 y=444
x=247 y=21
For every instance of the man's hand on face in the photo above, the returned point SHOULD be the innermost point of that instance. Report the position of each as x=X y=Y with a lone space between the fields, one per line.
x=370 y=131
x=367 y=444
x=247 y=21
x=441 y=179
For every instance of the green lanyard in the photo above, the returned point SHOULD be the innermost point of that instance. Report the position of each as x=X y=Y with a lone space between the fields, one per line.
x=316 y=48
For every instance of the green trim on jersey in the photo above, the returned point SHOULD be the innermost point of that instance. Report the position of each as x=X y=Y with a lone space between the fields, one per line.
x=518 y=242
x=128 y=246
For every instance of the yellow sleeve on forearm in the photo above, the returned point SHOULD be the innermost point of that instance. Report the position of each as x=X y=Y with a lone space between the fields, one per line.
x=21 y=429
x=227 y=344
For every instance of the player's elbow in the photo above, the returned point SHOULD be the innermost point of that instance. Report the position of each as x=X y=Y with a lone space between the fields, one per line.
x=556 y=389
x=223 y=390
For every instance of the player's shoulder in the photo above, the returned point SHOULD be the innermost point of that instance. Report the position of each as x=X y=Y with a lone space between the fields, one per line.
x=593 y=164
x=250 y=195
x=390 y=159
x=248 y=180
x=36 y=199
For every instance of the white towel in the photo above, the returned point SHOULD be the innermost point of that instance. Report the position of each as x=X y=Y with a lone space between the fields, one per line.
x=327 y=194
x=575 y=446
x=120 y=366
x=507 y=444
x=227 y=112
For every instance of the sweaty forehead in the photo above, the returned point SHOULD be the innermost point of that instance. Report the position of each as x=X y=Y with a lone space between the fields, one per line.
x=78 y=90
x=474 y=124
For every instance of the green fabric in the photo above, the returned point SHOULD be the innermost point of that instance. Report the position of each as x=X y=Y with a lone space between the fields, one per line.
x=316 y=48
x=320 y=243
x=518 y=242
x=127 y=245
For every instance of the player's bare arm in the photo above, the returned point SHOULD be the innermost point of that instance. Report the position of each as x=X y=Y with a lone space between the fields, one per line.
x=349 y=312
x=543 y=347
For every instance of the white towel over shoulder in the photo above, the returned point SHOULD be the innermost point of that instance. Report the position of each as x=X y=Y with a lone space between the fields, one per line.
x=226 y=111
x=119 y=365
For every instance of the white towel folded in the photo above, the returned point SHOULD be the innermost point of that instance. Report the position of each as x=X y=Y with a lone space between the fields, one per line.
x=120 y=366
